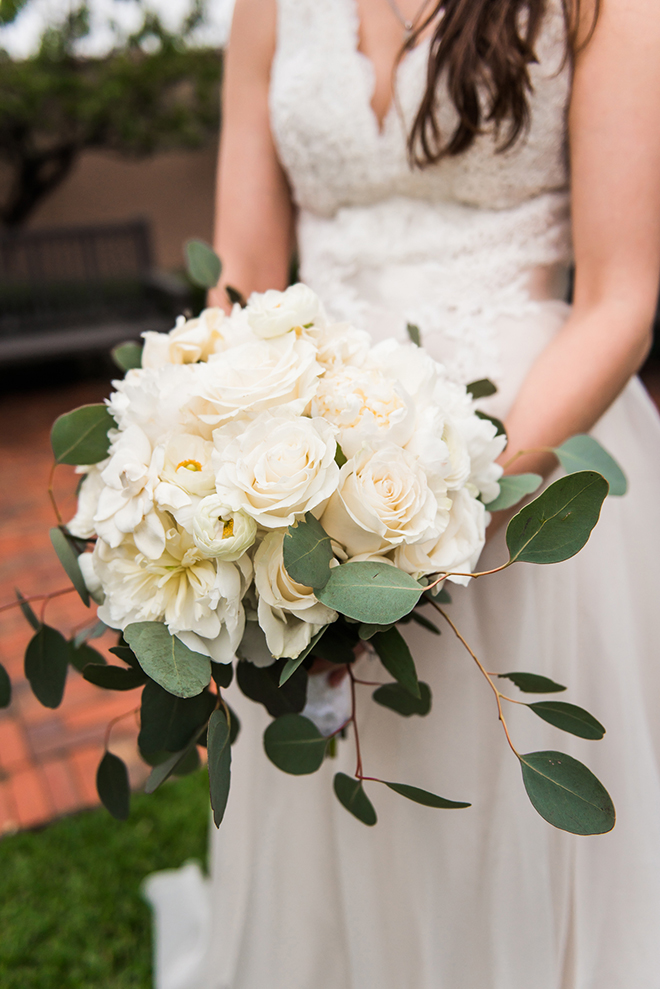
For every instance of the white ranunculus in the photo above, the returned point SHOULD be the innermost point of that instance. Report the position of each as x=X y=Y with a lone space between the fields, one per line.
x=341 y=344
x=366 y=407
x=190 y=341
x=186 y=476
x=272 y=314
x=82 y=523
x=276 y=468
x=198 y=599
x=277 y=374
x=289 y=613
x=457 y=549
x=218 y=532
x=382 y=499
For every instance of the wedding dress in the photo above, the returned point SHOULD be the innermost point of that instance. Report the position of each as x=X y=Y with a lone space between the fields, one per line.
x=303 y=896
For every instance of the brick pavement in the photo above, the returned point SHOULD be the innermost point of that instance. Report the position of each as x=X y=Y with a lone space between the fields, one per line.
x=48 y=759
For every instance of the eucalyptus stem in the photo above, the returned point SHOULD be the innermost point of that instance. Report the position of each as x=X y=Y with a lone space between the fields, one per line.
x=113 y=722
x=358 y=768
x=524 y=453
x=51 y=494
x=36 y=597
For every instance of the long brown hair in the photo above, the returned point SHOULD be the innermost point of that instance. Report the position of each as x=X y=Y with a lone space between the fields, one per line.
x=484 y=47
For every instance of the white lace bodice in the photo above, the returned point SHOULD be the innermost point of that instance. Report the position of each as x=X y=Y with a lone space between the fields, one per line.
x=449 y=247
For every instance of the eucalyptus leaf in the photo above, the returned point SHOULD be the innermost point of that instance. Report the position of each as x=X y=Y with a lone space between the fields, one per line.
x=222 y=673
x=219 y=764
x=499 y=425
x=532 y=683
x=291 y=665
x=69 y=560
x=557 y=524
x=262 y=684
x=94 y=631
x=394 y=696
x=168 y=723
x=164 y=769
x=189 y=764
x=569 y=718
x=307 y=553
x=167 y=660
x=46 y=665
x=113 y=787
x=84 y=654
x=5 y=688
x=235 y=296
x=373 y=593
x=483 y=388
x=294 y=744
x=81 y=436
x=203 y=263
x=350 y=793
x=367 y=632
x=513 y=488
x=338 y=643
x=396 y=657
x=414 y=334
x=127 y=355
x=340 y=457
x=234 y=725
x=425 y=797
x=27 y=611
x=126 y=654
x=113 y=677
x=422 y=620
x=583 y=452
x=567 y=794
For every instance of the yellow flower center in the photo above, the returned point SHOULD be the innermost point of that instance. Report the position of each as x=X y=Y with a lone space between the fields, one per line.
x=190 y=465
x=228 y=529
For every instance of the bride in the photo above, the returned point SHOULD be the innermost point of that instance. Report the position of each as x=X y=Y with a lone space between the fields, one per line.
x=420 y=157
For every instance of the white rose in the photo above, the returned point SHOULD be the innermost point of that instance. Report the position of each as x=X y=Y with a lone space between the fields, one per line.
x=341 y=344
x=277 y=468
x=221 y=533
x=254 y=376
x=382 y=499
x=457 y=549
x=190 y=341
x=271 y=314
x=289 y=613
x=199 y=600
x=366 y=407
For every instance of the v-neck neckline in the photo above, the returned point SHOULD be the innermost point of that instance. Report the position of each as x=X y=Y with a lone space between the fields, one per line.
x=381 y=124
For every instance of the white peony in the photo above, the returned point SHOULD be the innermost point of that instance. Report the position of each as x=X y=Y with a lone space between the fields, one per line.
x=382 y=499
x=457 y=549
x=221 y=533
x=155 y=400
x=289 y=613
x=341 y=344
x=247 y=379
x=82 y=523
x=276 y=468
x=190 y=341
x=483 y=446
x=271 y=314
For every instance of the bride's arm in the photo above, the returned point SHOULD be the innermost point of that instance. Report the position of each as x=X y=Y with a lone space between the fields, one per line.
x=614 y=128
x=253 y=226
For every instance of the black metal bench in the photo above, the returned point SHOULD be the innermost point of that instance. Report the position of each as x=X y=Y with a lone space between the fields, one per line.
x=67 y=291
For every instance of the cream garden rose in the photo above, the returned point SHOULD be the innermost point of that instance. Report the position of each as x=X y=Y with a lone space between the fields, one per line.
x=271 y=314
x=190 y=341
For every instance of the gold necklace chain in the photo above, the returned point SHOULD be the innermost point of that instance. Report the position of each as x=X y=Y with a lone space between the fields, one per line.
x=408 y=25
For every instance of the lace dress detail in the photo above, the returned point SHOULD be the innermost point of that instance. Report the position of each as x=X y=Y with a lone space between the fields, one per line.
x=462 y=236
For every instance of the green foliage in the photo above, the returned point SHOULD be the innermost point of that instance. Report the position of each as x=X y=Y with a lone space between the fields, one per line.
x=414 y=334
x=202 y=263
x=127 y=355
x=219 y=764
x=113 y=787
x=307 y=553
x=71 y=912
x=396 y=657
x=66 y=554
x=46 y=665
x=167 y=660
x=113 y=677
x=338 y=642
x=294 y=744
x=163 y=770
x=222 y=673
x=482 y=388
x=532 y=683
x=9 y=10
x=567 y=794
x=394 y=696
x=583 y=452
x=373 y=593
x=235 y=297
x=153 y=92
x=262 y=684
x=5 y=688
x=27 y=611
x=340 y=457
x=81 y=436
x=425 y=797
x=291 y=665
x=168 y=723
x=569 y=717
x=513 y=488
x=557 y=524
x=350 y=793
x=84 y=655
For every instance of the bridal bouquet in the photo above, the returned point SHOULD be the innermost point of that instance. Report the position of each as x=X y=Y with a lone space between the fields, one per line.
x=269 y=488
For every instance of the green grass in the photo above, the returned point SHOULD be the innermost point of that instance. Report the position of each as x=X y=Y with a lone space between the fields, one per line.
x=71 y=914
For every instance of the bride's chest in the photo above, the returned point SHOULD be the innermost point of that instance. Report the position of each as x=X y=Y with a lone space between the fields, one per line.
x=334 y=152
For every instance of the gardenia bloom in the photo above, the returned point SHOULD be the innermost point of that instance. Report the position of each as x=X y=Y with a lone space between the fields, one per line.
x=277 y=468
x=190 y=341
x=382 y=500
x=289 y=613
x=220 y=533
x=199 y=600
x=272 y=314
x=457 y=549
x=247 y=379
